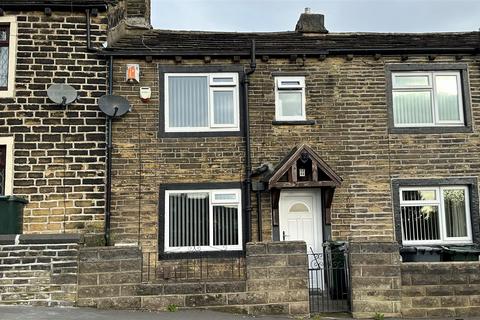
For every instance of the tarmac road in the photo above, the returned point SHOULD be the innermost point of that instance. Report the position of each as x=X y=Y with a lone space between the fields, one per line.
x=68 y=313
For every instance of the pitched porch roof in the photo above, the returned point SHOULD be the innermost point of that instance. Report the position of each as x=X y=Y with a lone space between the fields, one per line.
x=322 y=175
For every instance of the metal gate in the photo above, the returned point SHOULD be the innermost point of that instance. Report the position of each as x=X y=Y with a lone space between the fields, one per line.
x=328 y=277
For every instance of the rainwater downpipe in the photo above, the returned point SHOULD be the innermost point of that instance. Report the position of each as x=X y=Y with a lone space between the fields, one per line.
x=108 y=192
x=89 y=27
x=248 y=156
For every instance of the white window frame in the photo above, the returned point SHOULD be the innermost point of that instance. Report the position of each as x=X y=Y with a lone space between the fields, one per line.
x=212 y=87
x=212 y=203
x=8 y=142
x=11 y=21
x=280 y=87
x=439 y=202
x=431 y=87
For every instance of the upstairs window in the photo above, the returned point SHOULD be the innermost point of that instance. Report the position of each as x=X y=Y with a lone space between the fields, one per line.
x=203 y=220
x=427 y=99
x=290 y=98
x=201 y=102
x=8 y=32
x=435 y=215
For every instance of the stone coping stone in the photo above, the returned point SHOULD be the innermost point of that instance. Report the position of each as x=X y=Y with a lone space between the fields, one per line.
x=54 y=238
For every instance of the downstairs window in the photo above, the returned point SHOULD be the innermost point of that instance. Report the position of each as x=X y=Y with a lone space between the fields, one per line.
x=435 y=215
x=203 y=220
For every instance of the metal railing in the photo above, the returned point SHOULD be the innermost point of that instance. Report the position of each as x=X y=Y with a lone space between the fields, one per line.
x=198 y=269
x=328 y=276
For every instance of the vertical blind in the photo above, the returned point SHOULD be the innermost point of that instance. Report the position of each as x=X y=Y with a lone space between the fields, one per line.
x=188 y=101
x=454 y=203
x=223 y=107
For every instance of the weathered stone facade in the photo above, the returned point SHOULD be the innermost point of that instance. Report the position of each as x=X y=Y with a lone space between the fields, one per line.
x=347 y=101
x=447 y=289
x=39 y=270
x=59 y=152
x=276 y=282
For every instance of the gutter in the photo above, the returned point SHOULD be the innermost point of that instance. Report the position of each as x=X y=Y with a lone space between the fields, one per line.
x=331 y=52
x=61 y=7
x=248 y=155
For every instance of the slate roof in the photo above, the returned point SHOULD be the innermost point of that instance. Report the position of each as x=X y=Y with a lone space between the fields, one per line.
x=54 y=4
x=168 y=42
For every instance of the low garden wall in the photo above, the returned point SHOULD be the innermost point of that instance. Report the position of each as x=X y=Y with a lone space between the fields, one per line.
x=441 y=289
x=39 y=269
x=276 y=282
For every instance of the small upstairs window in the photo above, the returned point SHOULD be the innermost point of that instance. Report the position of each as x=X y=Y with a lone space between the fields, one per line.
x=201 y=102
x=8 y=32
x=290 y=98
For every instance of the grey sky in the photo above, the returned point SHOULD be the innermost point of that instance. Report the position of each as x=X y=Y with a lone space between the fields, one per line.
x=340 y=15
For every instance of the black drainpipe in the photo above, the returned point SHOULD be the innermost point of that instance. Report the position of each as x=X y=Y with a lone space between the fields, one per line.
x=89 y=37
x=259 y=215
x=108 y=192
x=248 y=156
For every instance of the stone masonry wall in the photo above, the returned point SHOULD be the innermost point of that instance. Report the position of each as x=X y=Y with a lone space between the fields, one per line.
x=39 y=270
x=444 y=289
x=375 y=279
x=276 y=283
x=347 y=101
x=59 y=152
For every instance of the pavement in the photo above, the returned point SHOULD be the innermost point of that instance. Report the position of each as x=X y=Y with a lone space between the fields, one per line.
x=70 y=313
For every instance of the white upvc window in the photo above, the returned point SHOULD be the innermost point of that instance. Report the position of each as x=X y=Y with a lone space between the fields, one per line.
x=435 y=215
x=290 y=98
x=201 y=102
x=426 y=99
x=6 y=166
x=203 y=220
x=8 y=52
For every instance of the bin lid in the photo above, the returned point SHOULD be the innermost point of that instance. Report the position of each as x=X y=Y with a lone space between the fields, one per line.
x=462 y=249
x=13 y=199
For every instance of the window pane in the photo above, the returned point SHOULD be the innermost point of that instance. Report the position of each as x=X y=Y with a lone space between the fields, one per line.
x=299 y=207
x=189 y=214
x=412 y=107
x=420 y=223
x=188 y=101
x=411 y=81
x=223 y=107
x=225 y=225
x=416 y=195
x=447 y=98
x=223 y=80
x=455 y=217
x=3 y=160
x=290 y=103
x=3 y=67
x=225 y=196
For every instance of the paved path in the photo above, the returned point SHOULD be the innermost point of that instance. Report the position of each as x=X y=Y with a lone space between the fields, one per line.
x=44 y=313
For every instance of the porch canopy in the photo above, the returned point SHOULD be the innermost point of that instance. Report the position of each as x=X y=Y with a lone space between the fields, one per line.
x=302 y=168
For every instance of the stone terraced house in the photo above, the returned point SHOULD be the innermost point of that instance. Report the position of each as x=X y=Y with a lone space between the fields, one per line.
x=287 y=172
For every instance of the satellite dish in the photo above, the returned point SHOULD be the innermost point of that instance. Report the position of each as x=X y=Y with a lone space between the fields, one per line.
x=62 y=94
x=114 y=106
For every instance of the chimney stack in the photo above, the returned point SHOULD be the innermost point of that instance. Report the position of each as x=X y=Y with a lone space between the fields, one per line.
x=311 y=23
x=128 y=16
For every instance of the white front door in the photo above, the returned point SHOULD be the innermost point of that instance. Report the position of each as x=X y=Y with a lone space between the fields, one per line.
x=301 y=218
